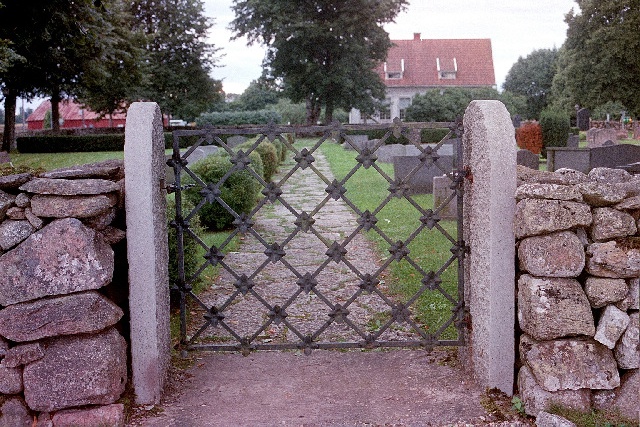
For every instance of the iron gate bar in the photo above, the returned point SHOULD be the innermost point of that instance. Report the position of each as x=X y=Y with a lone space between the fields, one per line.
x=304 y=221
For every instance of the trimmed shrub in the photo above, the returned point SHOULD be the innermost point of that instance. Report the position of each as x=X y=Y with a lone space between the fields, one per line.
x=281 y=149
x=191 y=259
x=70 y=144
x=240 y=190
x=268 y=154
x=555 y=127
x=529 y=137
x=234 y=118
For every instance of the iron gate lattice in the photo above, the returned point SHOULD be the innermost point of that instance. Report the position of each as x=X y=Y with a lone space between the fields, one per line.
x=237 y=310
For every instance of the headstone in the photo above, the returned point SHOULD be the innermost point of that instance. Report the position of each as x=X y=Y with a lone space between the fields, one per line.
x=386 y=153
x=4 y=157
x=441 y=192
x=583 y=117
x=517 y=121
x=236 y=140
x=614 y=156
x=528 y=158
x=573 y=141
x=601 y=136
x=357 y=141
x=420 y=181
x=636 y=131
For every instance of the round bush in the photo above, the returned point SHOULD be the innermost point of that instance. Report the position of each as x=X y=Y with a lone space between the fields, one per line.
x=269 y=156
x=240 y=190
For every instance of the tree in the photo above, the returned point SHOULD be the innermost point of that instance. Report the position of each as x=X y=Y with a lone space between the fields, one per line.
x=532 y=77
x=599 y=62
x=179 y=58
x=257 y=96
x=324 y=51
x=445 y=105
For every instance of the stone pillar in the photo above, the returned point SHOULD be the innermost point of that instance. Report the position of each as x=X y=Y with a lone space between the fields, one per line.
x=147 y=250
x=489 y=209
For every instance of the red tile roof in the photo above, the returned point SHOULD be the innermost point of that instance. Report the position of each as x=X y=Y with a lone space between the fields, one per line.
x=473 y=59
x=69 y=110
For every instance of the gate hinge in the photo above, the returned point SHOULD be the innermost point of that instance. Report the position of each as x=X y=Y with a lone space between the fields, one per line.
x=467 y=174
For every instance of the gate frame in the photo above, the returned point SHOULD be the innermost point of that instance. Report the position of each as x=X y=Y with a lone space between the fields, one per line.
x=489 y=151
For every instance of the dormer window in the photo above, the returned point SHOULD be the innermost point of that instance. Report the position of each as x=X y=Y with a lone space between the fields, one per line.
x=447 y=72
x=395 y=74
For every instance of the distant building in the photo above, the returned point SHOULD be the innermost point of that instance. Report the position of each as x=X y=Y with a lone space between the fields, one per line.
x=72 y=115
x=414 y=66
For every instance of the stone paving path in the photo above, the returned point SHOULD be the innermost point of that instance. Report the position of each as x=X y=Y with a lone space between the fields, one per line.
x=276 y=283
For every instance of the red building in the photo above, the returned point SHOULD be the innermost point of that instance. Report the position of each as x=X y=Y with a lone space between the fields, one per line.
x=73 y=116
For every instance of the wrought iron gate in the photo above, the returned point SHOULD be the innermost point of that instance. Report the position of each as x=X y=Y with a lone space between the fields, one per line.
x=227 y=302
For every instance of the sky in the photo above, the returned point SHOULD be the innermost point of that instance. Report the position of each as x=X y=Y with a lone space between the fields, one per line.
x=516 y=28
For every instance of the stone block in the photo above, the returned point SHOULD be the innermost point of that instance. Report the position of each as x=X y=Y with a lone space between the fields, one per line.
x=548 y=191
x=627 y=398
x=609 y=175
x=103 y=416
x=604 y=291
x=611 y=326
x=615 y=156
x=601 y=194
x=535 y=216
x=13 y=182
x=6 y=201
x=63 y=257
x=611 y=223
x=35 y=221
x=536 y=399
x=15 y=213
x=570 y=364
x=76 y=371
x=71 y=206
x=631 y=203
x=616 y=259
x=545 y=419
x=14 y=232
x=69 y=187
x=65 y=315
x=112 y=170
x=573 y=141
x=627 y=350
x=23 y=355
x=4 y=346
x=14 y=413
x=550 y=308
x=10 y=379
x=558 y=254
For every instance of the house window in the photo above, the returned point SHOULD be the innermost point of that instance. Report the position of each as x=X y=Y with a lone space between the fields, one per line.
x=402 y=106
x=447 y=75
x=385 y=111
x=394 y=75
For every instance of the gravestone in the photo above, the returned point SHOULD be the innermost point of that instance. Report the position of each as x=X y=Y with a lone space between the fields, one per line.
x=601 y=136
x=590 y=134
x=614 y=156
x=421 y=182
x=234 y=141
x=386 y=153
x=359 y=141
x=441 y=191
x=608 y=143
x=516 y=120
x=528 y=159
x=583 y=117
x=636 y=131
x=4 y=157
x=573 y=141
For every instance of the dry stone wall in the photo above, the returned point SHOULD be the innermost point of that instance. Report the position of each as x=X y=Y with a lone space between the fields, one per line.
x=578 y=250
x=63 y=293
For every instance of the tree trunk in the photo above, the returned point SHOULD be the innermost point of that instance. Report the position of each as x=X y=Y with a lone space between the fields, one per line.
x=313 y=110
x=55 y=111
x=328 y=112
x=9 y=136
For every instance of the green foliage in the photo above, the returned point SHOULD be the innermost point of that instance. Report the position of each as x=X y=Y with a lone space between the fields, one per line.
x=292 y=114
x=46 y=123
x=234 y=118
x=268 y=154
x=595 y=64
x=240 y=190
x=518 y=404
x=178 y=56
x=257 y=97
x=555 y=127
x=191 y=253
x=70 y=143
x=532 y=77
x=444 y=105
x=613 y=108
x=325 y=53
x=427 y=136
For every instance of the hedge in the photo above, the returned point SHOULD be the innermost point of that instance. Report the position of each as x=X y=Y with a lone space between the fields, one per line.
x=427 y=136
x=555 y=128
x=70 y=144
x=234 y=118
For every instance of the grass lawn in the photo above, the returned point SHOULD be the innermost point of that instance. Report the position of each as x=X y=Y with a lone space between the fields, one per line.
x=50 y=161
x=430 y=250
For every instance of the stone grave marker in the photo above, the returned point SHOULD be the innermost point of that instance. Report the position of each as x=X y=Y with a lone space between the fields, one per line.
x=636 y=131
x=234 y=141
x=441 y=191
x=614 y=156
x=527 y=158
x=573 y=141
x=600 y=136
x=422 y=181
x=360 y=141
x=583 y=117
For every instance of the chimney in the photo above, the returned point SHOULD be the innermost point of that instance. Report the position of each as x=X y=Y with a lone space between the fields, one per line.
x=416 y=36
